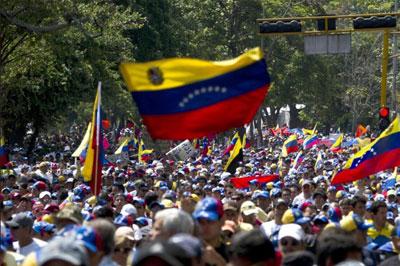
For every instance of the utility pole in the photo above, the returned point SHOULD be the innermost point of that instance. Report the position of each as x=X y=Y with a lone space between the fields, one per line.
x=394 y=84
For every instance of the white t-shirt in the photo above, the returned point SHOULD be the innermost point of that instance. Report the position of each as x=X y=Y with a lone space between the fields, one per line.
x=36 y=245
x=270 y=228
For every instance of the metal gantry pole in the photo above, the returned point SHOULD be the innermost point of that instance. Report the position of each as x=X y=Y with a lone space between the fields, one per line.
x=395 y=66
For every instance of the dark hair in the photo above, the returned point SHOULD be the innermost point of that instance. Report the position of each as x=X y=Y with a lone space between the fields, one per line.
x=253 y=245
x=303 y=258
x=319 y=192
x=103 y=212
x=358 y=198
x=376 y=205
x=345 y=201
x=335 y=244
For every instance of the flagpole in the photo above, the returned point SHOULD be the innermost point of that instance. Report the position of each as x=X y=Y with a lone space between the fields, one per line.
x=96 y=161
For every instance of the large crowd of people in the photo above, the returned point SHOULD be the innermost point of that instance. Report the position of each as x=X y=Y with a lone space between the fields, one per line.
x=169 y=212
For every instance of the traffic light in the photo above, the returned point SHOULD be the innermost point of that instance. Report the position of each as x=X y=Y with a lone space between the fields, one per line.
x=374 y=22
x=280 y=26
x=384 y=120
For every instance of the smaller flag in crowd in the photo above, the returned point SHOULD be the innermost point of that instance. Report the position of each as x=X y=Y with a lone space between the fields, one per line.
x=92 y=168
x=3 y=153
x=290 y=145
x=382 y=154
x=235 y=157
x=338 y=144
x=310 y=141
x=298 y=160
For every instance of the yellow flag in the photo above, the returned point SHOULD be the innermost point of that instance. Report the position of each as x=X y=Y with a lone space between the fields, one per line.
x=84 y=142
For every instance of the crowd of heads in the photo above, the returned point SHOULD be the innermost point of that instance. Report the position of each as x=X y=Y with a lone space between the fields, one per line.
x=169 y=212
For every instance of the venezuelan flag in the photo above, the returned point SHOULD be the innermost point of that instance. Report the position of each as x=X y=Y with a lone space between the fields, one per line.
x=338 y=144
x=383 y=153
x=124 y=147
x=318 y=162
x=298 y=160
x=3 y=153
x=310 y=141
x=92 y=168
x=143 y=153
x=83 y=146
x=186 y=98
x=290 y=145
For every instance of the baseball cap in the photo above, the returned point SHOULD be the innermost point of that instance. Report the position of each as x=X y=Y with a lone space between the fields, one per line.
x=170 y=253
x=248 y=208
x=123 y=220
x=291 y=230
x=70 y=212
x=128 y=209
x=122 y=233
x=44 y=194
x=294 y=215
x=208 y=208
x=22 y=219
x=189 y=243
x=89 y=238
x=41 y=227
x=334 y=214
x=64 y=249
x=230 y=205
x=353 y=222
x=260 y=194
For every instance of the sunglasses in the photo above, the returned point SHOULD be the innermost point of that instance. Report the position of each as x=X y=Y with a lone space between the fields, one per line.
x=292 y=242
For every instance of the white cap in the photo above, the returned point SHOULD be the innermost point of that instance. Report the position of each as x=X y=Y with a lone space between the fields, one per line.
x=291 y=230
x=128 y=209
x=43 y=194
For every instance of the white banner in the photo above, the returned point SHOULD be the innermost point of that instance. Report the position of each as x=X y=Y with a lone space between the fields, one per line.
x=183 y=151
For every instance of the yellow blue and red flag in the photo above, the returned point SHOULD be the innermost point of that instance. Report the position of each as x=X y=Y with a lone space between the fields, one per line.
x=3 y=153
x=383 y=153
x=338 y=144
x=143 y=153
x=186 y=98
x=290 y=145
x=310 y=141
x=92 y=168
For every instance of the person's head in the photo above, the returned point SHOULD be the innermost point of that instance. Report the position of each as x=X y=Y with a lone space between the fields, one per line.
x=93 y=242
x=169 y=222
x=291 y=237
x=21 y=227
x=355 y=225
x=358 y=204
x=249 y=211
x=280 y=206
x=161 y=253
x=345 y=206
x=379 y=210
x=335 y=245
x=70 y=214
x=124 y=240
x=208 y=213
x=302 y=257
x=192 y=246
x=252 y=248
x=63 y=252
x=231 y=211
x=307 y=187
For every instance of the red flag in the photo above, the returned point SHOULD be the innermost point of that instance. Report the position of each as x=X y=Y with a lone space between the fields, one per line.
x=361 y=130
x=243 y=182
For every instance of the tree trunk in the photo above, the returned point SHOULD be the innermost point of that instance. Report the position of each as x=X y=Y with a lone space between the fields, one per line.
x=294 y=117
